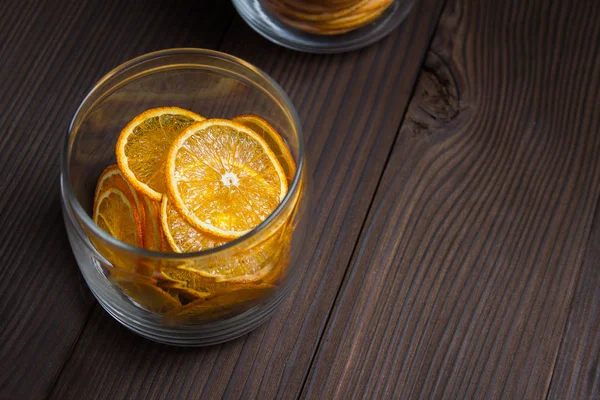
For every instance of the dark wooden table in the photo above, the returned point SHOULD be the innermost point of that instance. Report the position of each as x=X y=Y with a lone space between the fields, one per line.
x=455 y=249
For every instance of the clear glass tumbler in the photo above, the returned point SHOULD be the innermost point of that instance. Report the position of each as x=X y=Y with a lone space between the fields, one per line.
x=264 y=18
x=123 y=278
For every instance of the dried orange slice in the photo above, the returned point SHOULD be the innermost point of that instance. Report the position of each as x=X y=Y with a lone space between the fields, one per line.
x=249 y=266
x=112 y=177
x=151 y=229
x=144 y=143
x=180 y=235
x=273 y=139
x=114 y=213
x=327 y=18
x=218 y=305
x=223 y=178
x=145 y=293
x=278 y=272
x=180 y=277
x=195 y=284
x=185 y=293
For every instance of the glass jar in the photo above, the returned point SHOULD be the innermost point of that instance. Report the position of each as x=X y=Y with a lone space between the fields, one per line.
x=138 y=287
x=275 y=24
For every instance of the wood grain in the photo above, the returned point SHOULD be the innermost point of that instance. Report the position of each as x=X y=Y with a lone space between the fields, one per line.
x=52 y=53
x=577 y=371
x=468 y=278
x=461 y=284
x=351 y=106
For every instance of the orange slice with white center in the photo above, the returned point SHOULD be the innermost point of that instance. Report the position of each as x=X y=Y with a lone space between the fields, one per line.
x=143 y=145
x=223 y=178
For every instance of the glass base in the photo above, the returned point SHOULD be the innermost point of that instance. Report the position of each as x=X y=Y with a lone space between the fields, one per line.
x=278 y=32
x=148 y=325
x=151 y=325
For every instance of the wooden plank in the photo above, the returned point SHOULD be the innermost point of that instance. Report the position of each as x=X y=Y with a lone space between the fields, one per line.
x=351 y=106
x=577 y=371
x=52 y=53
x=461 y=283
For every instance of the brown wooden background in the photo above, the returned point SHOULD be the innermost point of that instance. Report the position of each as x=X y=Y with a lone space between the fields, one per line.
x=455 y=254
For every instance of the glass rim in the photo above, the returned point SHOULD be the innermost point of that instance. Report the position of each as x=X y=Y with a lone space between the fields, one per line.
x=71 y=199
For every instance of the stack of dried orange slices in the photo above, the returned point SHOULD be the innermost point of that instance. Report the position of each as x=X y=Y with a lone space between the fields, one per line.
x=327 y=17
x=183 y=184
